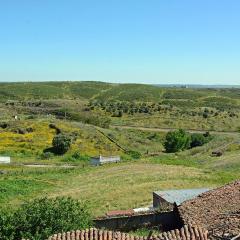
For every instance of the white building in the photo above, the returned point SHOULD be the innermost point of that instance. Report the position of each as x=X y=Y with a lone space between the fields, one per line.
x=5 y=160
x=102 y=160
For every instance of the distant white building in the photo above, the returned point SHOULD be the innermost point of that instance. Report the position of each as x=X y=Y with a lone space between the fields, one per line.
x=102 y=160
x=5 y=160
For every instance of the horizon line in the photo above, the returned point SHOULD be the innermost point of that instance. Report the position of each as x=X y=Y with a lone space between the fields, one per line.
x=156 y=84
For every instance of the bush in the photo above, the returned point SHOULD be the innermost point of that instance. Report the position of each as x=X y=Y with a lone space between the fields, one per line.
x=205 y=115
x=61 y=143
x=80 y=157
x=4 y=125
x=43 y=217
x=53 y=126
x=176 y=141
x=197 y=139
x=134 y=154
x=6 y=226
x=76 y=157
x=46 y=155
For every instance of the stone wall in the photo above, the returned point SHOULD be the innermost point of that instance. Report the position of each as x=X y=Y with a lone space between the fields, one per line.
x=167 y=221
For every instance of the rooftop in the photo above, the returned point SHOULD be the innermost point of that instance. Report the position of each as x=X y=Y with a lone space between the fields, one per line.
x=179 y=196
x=217 y=210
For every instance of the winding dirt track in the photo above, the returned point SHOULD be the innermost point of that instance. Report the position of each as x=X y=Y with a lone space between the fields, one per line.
x=172 y=129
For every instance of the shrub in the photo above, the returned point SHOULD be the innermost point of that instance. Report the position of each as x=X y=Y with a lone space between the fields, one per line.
x=61 y=143
x=6 y=226
x=76 y=157
x=29 y=130
x=21 y=131
x=46 y=155
x=197 y=139
x=43 y=217
x=4 y=125
x=205 y=115
x=134 y=154
x=53 y=126
x=177 y=141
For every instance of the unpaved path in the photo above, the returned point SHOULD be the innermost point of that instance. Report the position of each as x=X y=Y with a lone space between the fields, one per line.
x=48 y=166
x=172 y=129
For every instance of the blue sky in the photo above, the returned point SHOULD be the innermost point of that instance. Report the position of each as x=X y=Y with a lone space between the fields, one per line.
x=145 y=41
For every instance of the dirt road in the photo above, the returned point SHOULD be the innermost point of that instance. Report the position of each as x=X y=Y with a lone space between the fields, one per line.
x=172 y=129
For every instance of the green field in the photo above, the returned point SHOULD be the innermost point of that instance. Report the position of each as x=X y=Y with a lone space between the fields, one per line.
x=113 y=119
x=115 y=186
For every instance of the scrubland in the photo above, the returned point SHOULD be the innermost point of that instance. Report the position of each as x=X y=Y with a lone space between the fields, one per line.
x=113 y=119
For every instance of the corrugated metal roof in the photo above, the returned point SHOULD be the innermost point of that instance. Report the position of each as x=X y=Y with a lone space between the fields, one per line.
x=179 y=196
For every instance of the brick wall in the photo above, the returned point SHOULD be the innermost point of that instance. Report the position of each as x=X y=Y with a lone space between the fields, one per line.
x=185 y=233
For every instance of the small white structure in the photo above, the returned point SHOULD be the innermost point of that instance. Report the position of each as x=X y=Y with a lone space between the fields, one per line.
x=143 y=209
x=6 y=160
x=102 y=160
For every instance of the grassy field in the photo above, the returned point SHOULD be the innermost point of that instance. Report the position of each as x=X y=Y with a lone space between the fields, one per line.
x=94 y=115
x=124 y=185
x=114 y=186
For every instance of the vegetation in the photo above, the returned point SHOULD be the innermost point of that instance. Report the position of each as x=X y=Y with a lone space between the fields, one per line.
x=84 y=119
x=177 y=140
x=145 y=232
x=104 y=104
x=61 y=143
x=40 y=218
x=180 y=140
x=116 y=186
x=198 y=139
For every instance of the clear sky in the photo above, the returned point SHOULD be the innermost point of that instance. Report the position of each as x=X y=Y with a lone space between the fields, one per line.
x=145 y=41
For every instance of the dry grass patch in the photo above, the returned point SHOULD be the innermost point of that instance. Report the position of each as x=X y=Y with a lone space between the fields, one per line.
x=124 y=186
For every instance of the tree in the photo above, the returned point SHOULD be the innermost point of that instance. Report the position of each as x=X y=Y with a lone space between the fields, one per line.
x=61 y=143
x=177 y=141
x=40 y=218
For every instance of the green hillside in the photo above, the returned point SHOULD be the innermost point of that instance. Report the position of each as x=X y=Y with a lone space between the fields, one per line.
x=106 y=91
x=124 y=104
x=130 y=120
x=50 y=90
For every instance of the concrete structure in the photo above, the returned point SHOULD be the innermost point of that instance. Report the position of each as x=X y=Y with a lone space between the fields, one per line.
x=143 y=210
x=129 y=220
x=163 y=198
x=5 y=160
x=102 y=160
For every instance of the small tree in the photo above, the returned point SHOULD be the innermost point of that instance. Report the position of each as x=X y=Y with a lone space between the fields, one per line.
x=43 y=217
x=177 y=141
x=61 y=143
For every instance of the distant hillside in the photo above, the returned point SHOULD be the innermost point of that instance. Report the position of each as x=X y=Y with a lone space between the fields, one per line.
x=196 y=86
x=51 y=90
x=114 y=92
